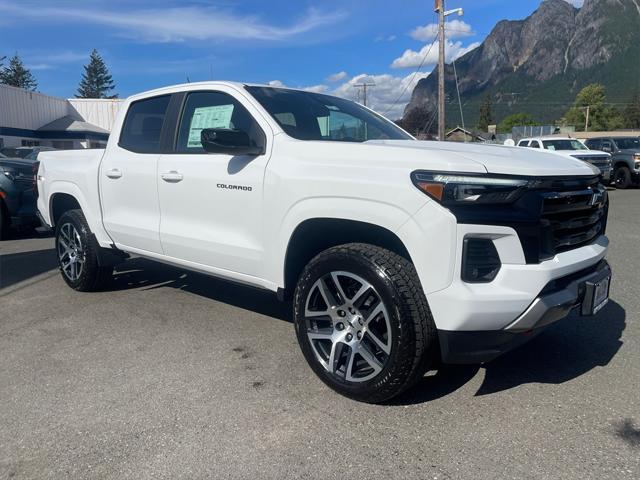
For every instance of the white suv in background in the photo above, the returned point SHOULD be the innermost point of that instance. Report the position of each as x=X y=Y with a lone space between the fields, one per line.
x=574 y=148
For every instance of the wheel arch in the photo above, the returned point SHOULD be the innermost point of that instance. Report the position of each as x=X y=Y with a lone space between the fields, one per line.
x=620 y=163
x=315 y=235
x=59 y=203
x=63 y=196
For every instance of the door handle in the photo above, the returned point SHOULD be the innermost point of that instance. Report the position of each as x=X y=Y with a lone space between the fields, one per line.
x=172 y=176
x=114 y=173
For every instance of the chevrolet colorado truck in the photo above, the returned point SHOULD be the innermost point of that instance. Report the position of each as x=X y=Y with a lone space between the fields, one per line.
x=397 y=254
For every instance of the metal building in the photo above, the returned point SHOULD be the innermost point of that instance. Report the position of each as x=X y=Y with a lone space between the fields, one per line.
x=32 y=118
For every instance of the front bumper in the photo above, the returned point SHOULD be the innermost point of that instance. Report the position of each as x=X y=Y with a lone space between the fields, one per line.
x=555 y=302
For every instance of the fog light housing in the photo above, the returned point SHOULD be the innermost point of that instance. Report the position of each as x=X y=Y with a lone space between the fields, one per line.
x=480 y=260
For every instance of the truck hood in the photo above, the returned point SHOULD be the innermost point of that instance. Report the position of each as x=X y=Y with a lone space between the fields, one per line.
x=495 y=158
x=22 y=171
x=18 y=165
x=583 y=153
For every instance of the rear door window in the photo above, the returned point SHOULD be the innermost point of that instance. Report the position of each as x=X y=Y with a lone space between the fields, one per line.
x=142 y=127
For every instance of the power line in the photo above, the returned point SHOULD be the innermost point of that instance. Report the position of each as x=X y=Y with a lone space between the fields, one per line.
x=455 y=73
x=424 y=59
x=364 y=86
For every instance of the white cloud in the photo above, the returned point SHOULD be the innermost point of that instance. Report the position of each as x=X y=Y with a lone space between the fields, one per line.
x=385 y=38
x=576 y=3
x=337 y=77
x=413 y=59
x=276 y=83
x=174 y=24
x=40 y=66
x=389 y=95
x=453 y=29
x=316 y=88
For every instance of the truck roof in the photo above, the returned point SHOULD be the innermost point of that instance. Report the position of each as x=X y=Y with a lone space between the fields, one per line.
x=208 y=83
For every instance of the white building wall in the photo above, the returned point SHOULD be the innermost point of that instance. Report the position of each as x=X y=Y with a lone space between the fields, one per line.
x=29 y=110
x=99 y=112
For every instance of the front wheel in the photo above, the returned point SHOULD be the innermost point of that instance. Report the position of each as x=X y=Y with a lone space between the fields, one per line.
x=363 y=322
x=77 y=251
x=622 y=177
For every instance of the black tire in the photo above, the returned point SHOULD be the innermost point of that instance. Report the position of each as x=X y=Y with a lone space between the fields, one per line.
x=413 y=342
x=622 y=177
x=91 y=276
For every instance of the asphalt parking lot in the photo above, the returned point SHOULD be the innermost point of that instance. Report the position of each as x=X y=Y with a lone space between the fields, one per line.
x=176 y=375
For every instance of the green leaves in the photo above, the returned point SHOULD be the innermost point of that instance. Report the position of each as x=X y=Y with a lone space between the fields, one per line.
x=17 y=75
x=96 y=80
x=602 y=116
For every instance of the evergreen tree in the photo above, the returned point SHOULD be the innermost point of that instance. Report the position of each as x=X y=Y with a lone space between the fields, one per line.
x=17 y=75
x=96 y=80
x=486 y=114
x=632 y=113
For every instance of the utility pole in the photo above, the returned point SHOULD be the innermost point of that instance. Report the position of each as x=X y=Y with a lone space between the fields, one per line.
x=442 y=15
x=441 y=41
x=586 y=123
x=364 y=86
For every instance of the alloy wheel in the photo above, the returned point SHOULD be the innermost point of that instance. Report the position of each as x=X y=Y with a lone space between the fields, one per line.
x=71 y=253
x=348 y=326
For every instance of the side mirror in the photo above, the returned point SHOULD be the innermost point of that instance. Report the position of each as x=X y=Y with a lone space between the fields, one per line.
x=607 y=148
x=232 y=142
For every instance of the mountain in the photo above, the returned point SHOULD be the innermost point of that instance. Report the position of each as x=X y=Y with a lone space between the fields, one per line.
x=539 y=64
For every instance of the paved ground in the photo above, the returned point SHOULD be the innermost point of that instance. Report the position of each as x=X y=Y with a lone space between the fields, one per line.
x=177 y=375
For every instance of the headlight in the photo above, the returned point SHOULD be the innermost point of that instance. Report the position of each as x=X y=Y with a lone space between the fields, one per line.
x=469 y=189
x=636 y=157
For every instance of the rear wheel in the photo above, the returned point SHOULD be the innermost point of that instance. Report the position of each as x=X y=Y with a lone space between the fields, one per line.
x=622 y=177
x=77 y=254
x=363 y=323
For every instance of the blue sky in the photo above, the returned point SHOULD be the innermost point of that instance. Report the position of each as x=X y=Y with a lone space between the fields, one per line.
x=323 y=45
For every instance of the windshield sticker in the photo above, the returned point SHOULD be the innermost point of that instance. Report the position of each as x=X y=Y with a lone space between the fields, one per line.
x=218 y=116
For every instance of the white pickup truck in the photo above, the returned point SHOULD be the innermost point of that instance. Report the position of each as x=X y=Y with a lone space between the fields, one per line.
x=398 y=254
x=574 y=148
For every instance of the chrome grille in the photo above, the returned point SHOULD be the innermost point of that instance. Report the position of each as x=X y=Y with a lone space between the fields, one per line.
x=599 y=161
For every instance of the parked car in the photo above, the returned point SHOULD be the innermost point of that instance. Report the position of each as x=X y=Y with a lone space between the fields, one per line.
x=28 y=153
x=574 y=148
x=397 y=253
x=625 y=153
x=17 y=199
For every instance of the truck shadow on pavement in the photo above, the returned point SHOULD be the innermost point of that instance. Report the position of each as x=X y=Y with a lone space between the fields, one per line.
x=566 y=350
x=18 y=267
x=147 y=274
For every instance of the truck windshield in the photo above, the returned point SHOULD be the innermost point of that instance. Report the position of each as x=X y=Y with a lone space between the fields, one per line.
x=313 y=116
x=628 y=143
x=564 y=145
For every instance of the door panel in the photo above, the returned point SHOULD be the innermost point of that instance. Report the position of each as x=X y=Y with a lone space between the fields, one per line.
x=211 y=204
x=129 y=180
